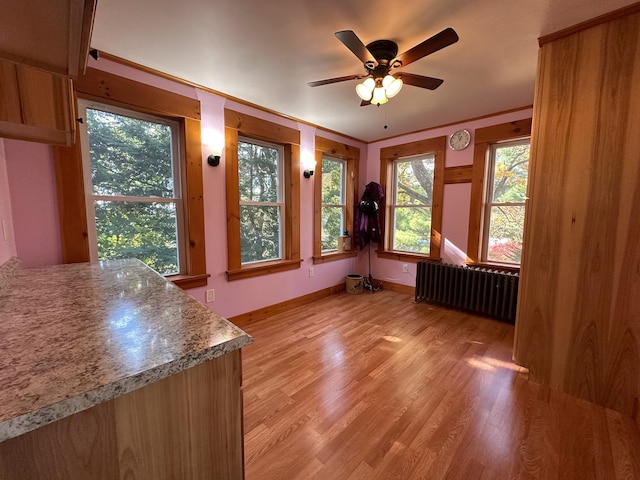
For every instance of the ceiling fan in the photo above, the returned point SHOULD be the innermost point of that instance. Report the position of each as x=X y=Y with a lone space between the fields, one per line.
x=380 y=58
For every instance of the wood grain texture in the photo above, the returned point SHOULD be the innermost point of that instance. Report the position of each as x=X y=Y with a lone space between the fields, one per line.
x=578 y=327
x=375 y=386
x=71 y=204
x=462 y=174
x=260 y=129
x=194 y=201
x=187 y=426
x=129 y=93
x=35 y=105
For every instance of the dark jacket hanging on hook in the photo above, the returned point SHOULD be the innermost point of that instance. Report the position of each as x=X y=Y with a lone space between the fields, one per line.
x=367 y=222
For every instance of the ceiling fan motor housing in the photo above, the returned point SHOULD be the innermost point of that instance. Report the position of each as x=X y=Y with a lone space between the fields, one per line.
x=383 y=51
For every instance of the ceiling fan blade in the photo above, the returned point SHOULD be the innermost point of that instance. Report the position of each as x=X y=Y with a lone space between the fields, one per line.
x=420 y=81
x=353 y=43
x=364 y=103
x=318 y=83
x=440 y=40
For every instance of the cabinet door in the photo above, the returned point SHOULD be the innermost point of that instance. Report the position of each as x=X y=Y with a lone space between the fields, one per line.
x=35 y=105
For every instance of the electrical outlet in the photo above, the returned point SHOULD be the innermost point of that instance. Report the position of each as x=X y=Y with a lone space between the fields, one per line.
x=311 y=272
x=405 y=268
x=211 y=295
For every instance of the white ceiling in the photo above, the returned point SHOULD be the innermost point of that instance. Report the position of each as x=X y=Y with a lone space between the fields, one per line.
x=264 y=52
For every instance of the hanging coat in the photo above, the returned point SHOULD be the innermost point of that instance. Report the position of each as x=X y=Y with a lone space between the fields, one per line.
x=367 y=222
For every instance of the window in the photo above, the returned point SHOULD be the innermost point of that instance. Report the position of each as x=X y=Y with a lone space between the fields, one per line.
x=333 y=202
x=412 y=177
x=334 y=198
x=498 y=191
x=132 y=181
x=506 y=191
x=262 y=165
x=411 y=204
x=143 y=161
x=260 y=174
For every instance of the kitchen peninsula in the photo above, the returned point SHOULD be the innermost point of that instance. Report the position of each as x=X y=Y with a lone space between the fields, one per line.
x=108 y=371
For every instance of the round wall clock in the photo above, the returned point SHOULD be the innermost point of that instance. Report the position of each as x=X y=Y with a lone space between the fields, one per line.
x=460 y=139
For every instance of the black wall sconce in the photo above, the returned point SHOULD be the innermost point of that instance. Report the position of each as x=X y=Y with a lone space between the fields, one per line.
x=309 y=165
x=213 y=160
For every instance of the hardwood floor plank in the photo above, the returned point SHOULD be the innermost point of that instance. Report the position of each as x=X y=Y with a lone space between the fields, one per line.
x=374 y=386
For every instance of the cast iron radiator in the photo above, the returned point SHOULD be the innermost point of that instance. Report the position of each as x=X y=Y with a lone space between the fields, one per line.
x=479 y=290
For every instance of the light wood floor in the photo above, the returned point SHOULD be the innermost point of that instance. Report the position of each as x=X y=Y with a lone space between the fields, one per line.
x=374 y=386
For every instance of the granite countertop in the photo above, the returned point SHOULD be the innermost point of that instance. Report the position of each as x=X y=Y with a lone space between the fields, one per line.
x=73 y=336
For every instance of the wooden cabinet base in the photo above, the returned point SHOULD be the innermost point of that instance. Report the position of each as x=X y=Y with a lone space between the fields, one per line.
x=187 y=426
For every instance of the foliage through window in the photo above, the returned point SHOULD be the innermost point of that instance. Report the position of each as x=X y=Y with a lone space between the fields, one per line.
x=133 y=187
x=505 y=202
x=333 y=202
x=260 y=173
x=411 y=205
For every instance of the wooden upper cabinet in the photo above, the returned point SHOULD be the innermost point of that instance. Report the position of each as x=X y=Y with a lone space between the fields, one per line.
x=35 y=105
x=49 y=35
x=43 y=47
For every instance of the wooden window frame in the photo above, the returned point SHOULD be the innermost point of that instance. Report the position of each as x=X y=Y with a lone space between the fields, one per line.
x=243 y=125
x=484 y=139
x=437 y=147
x=122 y=92
x=351 y=155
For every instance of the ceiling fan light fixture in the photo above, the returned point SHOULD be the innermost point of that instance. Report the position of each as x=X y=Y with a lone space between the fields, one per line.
x=386 y=81
x=379 y=97
x=364 y=90
x=394 y=87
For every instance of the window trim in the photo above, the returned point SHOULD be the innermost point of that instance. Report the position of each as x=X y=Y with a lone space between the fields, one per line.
x=483 y=139
x=436 y=146
x=351 y=155
x=242 y=125
x=122 y=92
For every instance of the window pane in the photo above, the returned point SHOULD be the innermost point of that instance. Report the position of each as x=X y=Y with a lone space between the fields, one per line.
x=510 y=177
x=129 y=156
x=332 y=182
x=146 y=231
x=412 y=229
x=259 y=233
x=331 y=227
x=257 y=173
x=505 y=233
x=414 y=181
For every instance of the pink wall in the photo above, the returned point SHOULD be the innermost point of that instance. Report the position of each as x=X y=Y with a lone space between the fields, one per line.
x=7 y=239
x=456 y=201
x=33 y=207
x=34 y=203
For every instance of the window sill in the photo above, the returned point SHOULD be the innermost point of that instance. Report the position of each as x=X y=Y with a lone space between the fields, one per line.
x=332 y=257
x=263 y=269
x=404 y=256
x=495 y=266
x=189 y=281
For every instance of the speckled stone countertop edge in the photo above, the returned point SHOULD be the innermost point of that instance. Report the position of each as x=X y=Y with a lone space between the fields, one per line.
x=7 y=273
x=31 y=421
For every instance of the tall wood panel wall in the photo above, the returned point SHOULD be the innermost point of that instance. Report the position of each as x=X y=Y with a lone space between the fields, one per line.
x=578 y=321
